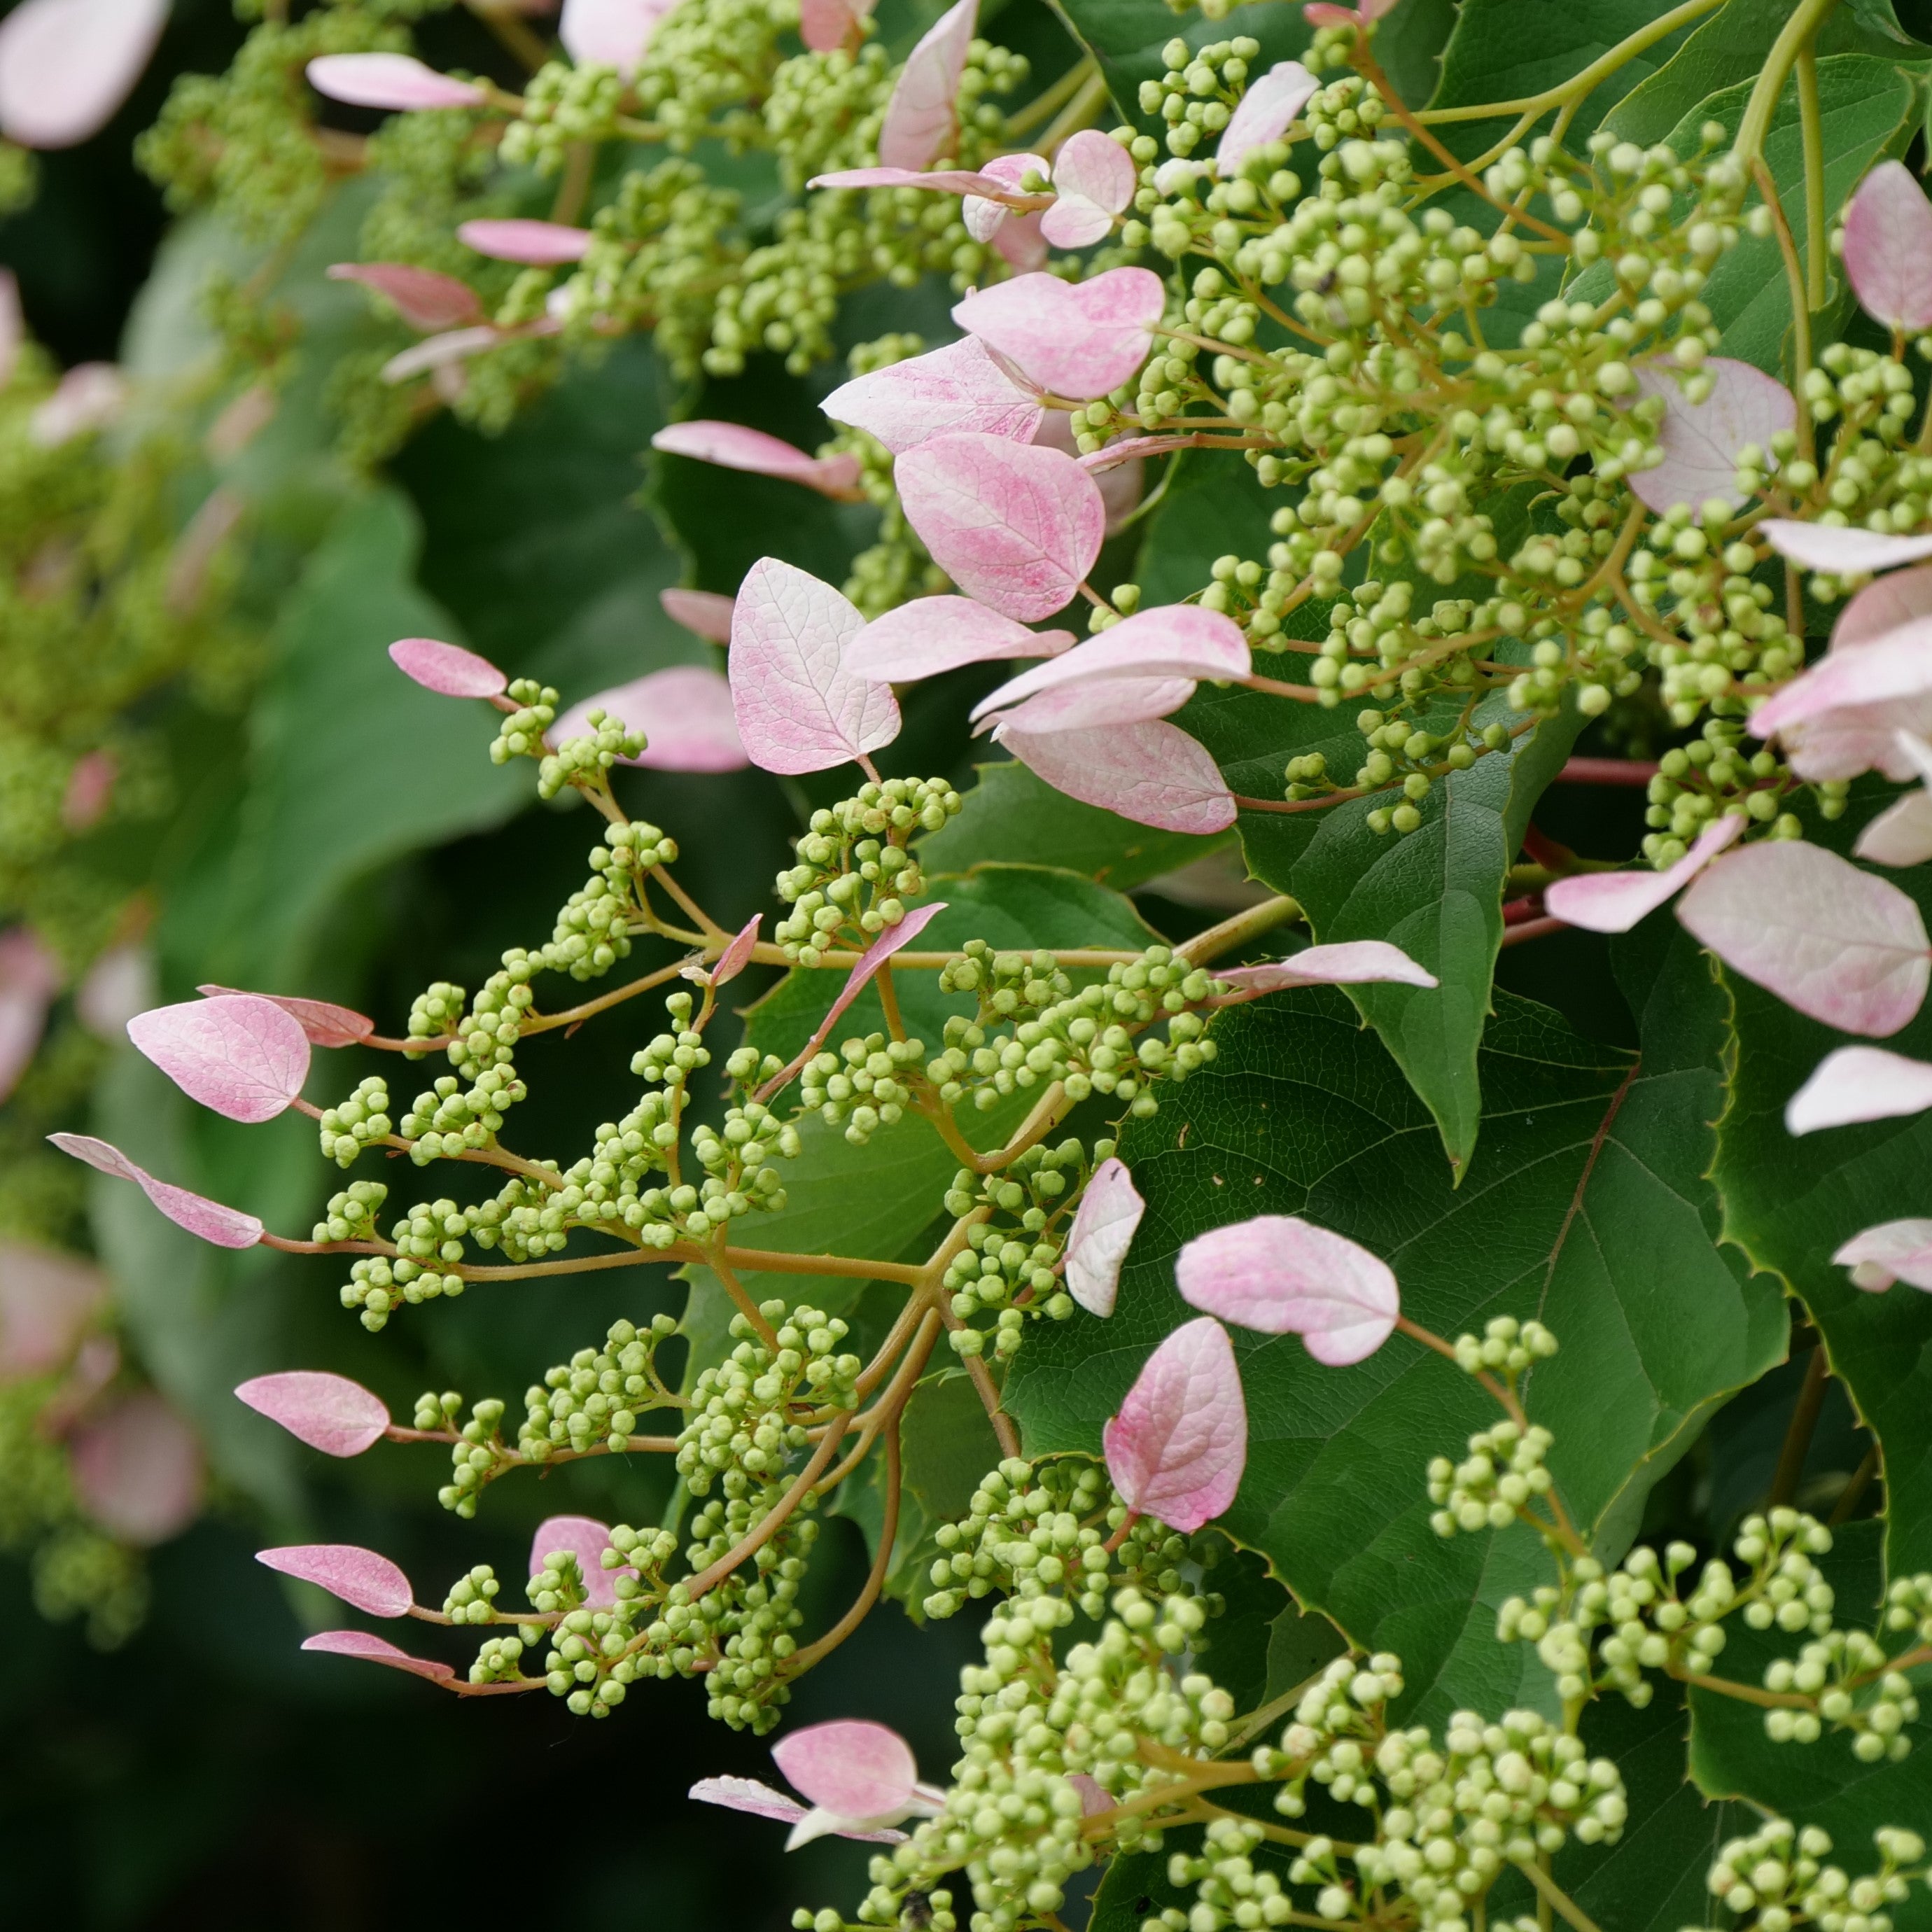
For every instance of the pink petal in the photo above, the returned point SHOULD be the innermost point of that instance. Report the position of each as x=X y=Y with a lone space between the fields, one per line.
x=90 y=785
x=66 y=65
x=1075 y=340
x=737 y=955
x=1175 y=640
x=1883 y=608
x=87 y=397
x=685 y=712
x=1019 y=243
x=119 y=985
x=1615 y=902
x=1015 y=526
x=931 y=634
x=855 y=1768
x=1888 y=248
x=399 y=81
x=1901 y=834
x=225 y=1227
x=732 y=446
x=30 y=976
x=921 y=122
x=543 y=244
x=447 y=669
x=1351 y=962
x=1838 y=944
x=1103 y=1228
x=1841 y=552
x=1154 y=774
x=46 y=1301
x=942 y=180
x=823 y=24
x=1892 y=1251
x=1075 y=222
x=1086 y=706
x=325 y=1023
x=1266 y=110
x=869 y=962
x=328 y=1412
x=1701 y=440
x=1096 y=166
x=610 y=33
x=441 y=351
x=1093 y=1797
x=1858 y=1083
x=1286 y=1277
x=586 y=1540
x=360 y=1577
x=137 y=1470
x=241 y=1055
x=798 y=708
x=1177 y=1447
x=373 y=1649
x=985 y=215
x=959 y=387
x=424 y=299
x=747 y=1794
x=1848 y=703
x=703 y=613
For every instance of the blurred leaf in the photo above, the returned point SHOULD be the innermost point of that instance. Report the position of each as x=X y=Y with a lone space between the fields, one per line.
x=349 y=766
x=1436 y=892
x=1584 y=1206
x=1730 y=46
x=1012 y=817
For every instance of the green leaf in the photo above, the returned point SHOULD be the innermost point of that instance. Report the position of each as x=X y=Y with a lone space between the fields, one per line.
x=348 y=766
x=1789 y=1204
x=1214 y=505
x=1868 y=109
x=1505 y=50
x=1436 y=892
x=1012 y=817
x=1126 y=37
x=1822 y=1783
x=1584 y=1206
x=1730 y=46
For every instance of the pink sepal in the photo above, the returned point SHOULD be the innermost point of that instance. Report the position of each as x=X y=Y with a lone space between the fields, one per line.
x=1838 y=551
x=1892 y=1251
x=373 y=1649
x=1285 y=1275
x=325 y=1024
x=737 y=955
x=47 y=1300
x=1266 y=110
x=852 y=1768
x=1888 y=248
x=360 y=1577
x=922 y=118
x=240 y=1055
x=685 y=712
x=1154 y=774
x=1349 y=962
x=447 y=669
x=586 y=1540
x=1175 y=640
x=1077 y=339
x=959 y=387
x=399 y=82
x=540 y=244
x=1615 y=902
x=1858 y=1083
x=328 y=1412
x=224 y=1227
x=1103 y=1229
x=931 y=634
x=1177 y=1449
x=732 y=446
x=891 y=941
x=137 y=1469
x=1700 y=441
x=747 y=1794
x=30 y=976
x=66 y=66
x=610 y=33
x=705 y=613
x=425 y=300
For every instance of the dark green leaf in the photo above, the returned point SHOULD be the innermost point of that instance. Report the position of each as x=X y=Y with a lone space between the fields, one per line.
x=1436 y=892
x=1730 y=46
x=1584 y=1205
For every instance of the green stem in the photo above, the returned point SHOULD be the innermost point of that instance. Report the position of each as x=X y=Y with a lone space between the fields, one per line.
x=1552 y=1893
x=1811 y=128
x=1795 y=36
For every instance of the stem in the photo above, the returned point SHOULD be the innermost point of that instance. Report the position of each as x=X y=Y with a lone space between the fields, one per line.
x=1854 y=1490
x=802 y=1660
x=575 y=184
x=1552 y=1893
x=1804 y=1422
x=1234 y=933
x=1800 y=315
x=1795 y=35
x=747 y=1307
x=1606 y=772
x=711 y=929
x=1037 y=110
x=1747 y=1693
x=1812 y=132
x=1533 y=929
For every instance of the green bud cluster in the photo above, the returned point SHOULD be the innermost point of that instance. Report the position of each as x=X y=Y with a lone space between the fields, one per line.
x=562 y=105
x=519 y=733
x=594 y=1400
x=587 y=758
x=472 y=1597
x=351 y=1215
x=346 y=1129
x=594 y=1656
x=1035 y=1530
x=1508 y=1348
x=427 y=1249
x=1779 y=1876
x=1490 y=1488
x=854 y=871
x=1093 y=1041
x=864 y=1083
x=478 y=1456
